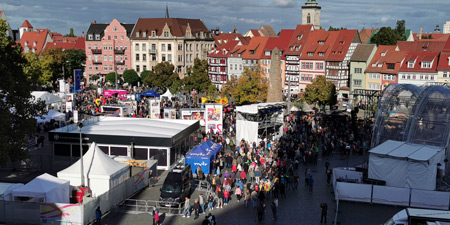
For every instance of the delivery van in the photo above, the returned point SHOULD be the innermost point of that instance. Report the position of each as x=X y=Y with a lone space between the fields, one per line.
x=177 y=186
x=414 y=216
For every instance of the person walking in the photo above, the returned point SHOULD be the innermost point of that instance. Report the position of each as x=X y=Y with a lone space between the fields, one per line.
x=98 y=216
x=201 y=202
x=324 y=208
x=238 y=193
x=254 y=197
x=274 y=211
x=196 y=208
x=221 y=196
x=155 y=216
x=247 y=197
x=210 y=202
x=226 y=194
x=187 y=205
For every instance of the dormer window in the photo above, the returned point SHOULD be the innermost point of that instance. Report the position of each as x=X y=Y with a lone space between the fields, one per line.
x=380 y=65
x=90 y=37
x=426 y=65
x=411 y=64
x=341 y=42
x=321 y=53
x=297 y=49
x=34 y=44
x=97 y=37
x=137 y=34
x=292 y=49
x=166 y=34
x=299 y=37
x=267 y=53
x=374 y=65
x=310 y=53
x=321 y=42
x=252 y=52
x=390 y=66
x=144 y=34
x=383 y=54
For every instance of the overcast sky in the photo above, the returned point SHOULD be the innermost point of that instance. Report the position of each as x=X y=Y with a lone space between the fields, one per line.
x=61 y=15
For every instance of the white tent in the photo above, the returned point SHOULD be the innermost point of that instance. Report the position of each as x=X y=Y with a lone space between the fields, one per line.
x=101 y=173
x=51 y=115
x=406 y=165
x=47 y=97
x=6 y=189
x=167 y=94
x=44 y=188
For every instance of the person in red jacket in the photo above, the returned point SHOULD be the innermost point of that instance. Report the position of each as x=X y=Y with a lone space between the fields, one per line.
x=226 y=194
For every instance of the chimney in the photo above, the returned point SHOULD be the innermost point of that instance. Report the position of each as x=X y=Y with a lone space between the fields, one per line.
x=420 y=33
x=95 y=21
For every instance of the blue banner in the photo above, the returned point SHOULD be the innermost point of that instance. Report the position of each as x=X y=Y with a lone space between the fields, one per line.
x=77 y=79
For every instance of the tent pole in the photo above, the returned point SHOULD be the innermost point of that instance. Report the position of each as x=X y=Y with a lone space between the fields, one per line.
x=80 y=126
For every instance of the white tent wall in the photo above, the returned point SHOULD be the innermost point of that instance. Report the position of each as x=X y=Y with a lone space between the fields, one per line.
x=46 y=186
x=393 y=171
x=247 y=130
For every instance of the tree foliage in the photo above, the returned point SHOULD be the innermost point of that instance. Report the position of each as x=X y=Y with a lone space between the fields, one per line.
x=131 y=77
x=17 y=112
x=34 y=71
x=336 y=29
x=52 y=62
x=70 y=34
x=321 y=91
x=249 y=88
x=74 y=59
x=401 y=30
x=144 y=74
x=111 y=77
x=198 y=78
x=163 y=76
x=386 y=36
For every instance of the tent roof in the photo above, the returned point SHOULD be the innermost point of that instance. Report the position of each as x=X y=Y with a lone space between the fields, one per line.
x=167 y=94
x=150 y=93
x=47 y=97
x=253 y=109
x=405 y=150
x=52 y=114
x=6 y=188
x=96 y=165
x=42 y=184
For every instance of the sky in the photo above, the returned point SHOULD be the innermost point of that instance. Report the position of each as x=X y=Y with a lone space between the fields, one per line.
x=61 y=15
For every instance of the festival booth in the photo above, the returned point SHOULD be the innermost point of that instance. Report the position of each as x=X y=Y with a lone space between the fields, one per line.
x=406 y=165
x=101 y=173
x=255 y=119
x=44 y=189
x=202 y=155
x=167 y=95
x=6 y=189
x=51 y=115
x=49 y=98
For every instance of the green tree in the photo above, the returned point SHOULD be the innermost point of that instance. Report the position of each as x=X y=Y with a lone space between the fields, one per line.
x=111 y=77
x=17 y=112
x=401 y=30
x=386 y=36
x=70 y=34
x=198 y=78
x=321 y=91
x=336 y=29
x=163 y=76
x=131 y=77
x=74 y=59
x=249 y=88
x=53 y=60
x=144 y=74
x=33 y=70
x=95 y=77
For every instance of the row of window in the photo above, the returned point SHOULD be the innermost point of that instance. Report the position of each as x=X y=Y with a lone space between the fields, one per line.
x=108 y=68
x=388 y=77
x=310 y=65
x=235 y=66
x=306 y=77
x=222 y=78
x=118 y=58
x=374 y=86
x=418 y=77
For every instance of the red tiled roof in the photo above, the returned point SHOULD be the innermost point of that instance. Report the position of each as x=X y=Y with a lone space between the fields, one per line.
x=224 y=50
x=255 y=48
x=177 y=26
x=78 y=44
x=30 y=38
x=365 y=35
x=255 y=33
x=341 y=45
x=421 y=57
x=301 y=32
x=312 y=45
x=446 y=46
x=434 y=36
x=26 y=24
x=281 y=42
x=393 y=57
x=379 y=58
x=444 y=62
x=424 y=45
x=223 y=38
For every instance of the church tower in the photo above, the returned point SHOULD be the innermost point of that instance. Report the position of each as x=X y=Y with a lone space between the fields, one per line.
x=311 y=13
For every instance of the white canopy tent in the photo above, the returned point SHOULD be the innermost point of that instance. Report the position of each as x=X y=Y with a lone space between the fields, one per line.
x=406 y=165
x=51 y=115
x=47 y=97
x=44 y=188
x=101 y=173
x=167 y=94
x=6 y=189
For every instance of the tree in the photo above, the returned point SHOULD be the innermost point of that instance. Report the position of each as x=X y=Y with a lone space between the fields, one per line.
x=17 y=112
x=70 y=34
x=198 y=78
x=336 y=29
x=95 y=77
x=249 y=88
x=401 y=30
x=53 y=60
x=321 y=91
x=33 y=70
x=111 y=77
x=386 y=36
x=131 y=77
x=74 y=59
x=144 y=74
x=163 y=76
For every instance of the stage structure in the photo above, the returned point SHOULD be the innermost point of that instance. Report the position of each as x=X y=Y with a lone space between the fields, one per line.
x=368 y=98
x=255 y=122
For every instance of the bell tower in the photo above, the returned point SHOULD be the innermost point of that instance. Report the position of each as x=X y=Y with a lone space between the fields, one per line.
x=311 y=13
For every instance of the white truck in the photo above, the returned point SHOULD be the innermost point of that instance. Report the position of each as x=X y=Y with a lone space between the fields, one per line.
x=414 y=216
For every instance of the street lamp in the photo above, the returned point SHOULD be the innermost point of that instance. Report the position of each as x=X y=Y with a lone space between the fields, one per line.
x=80 y=126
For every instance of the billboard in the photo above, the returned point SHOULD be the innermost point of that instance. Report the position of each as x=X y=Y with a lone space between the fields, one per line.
x=155 y=109
x=214 y=118
x=193 y=114
x=170 y=113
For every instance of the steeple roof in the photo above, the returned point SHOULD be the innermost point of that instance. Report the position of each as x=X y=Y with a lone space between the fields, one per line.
x=26 y=24
x=167 y=11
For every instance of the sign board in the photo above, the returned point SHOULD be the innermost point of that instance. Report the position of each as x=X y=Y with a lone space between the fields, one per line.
x=170 y=113
x=77 y=79
x=75 y=116
x=214 y=118
x=155 y=108
x=193 y=114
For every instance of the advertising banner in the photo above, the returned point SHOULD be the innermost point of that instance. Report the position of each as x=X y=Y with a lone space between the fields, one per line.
x=194 y=114
x=77 y=75
x=155 y=109
x=170 y=113
x=214 y=118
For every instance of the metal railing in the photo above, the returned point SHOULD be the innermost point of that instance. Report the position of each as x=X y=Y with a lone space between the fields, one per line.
x=137 y=206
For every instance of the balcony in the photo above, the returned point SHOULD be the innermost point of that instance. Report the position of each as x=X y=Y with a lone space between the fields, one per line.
x=119 y=63
x=117 y=51
x=96 y=62
x=96 y=51
x=152 y=51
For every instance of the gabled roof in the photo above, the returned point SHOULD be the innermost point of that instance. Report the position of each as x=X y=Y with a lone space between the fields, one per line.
x=393 y=57
x=419 y=58
x=224 y=50
x=26 y=24
x=240 y=49
x=255 y=33
x=319 y=44
x=267 y=31
x=362 y=52
x=96 y=28
x=365 y=35
x=341 y=45
x=444 y=63
x=281 y=42
x=78 y=44
x=34 y=40
x=223 y=38
x=177 y=26
x=434 y=36
x=424 y=45
x=255 y=48
x=301 y=32
x=379 y=58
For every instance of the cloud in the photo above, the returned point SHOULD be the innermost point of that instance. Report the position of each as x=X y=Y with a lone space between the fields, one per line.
x=284 y=3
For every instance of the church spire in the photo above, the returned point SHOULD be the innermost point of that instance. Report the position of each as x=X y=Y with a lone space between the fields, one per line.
x=167 y=11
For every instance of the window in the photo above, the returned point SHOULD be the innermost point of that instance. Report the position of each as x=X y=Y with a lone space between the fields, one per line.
x=163 y=57
x=144 y=34
x=89 y=47
x=163 y=47
x=121 y=37
x=97 y=37
x=319 y=66
x=137 y=34
x=153 y=57
x=180 y=58
x=390 y=66
x=267 y=53
x=105 y=67
x=136 y=47
x=144 y=47
x=153 y=33
x=166 y=34
x=109 y=37
x=90 y=67
x=89 y=57
x=137 y=68
x=446 y=74
x=180 y=47
x=357 y=83
x=310 y=53
x=137 y=57
x=144 y=57
x=169 y=47
x=90 y=37
x=321 y=42
x=115 y=37
x=144 y=68
x=426 y=65
x=110 y=68
x=411 y=64
x=358 y=70
x=321 y=54
x=110 y=58
x=126 y=57
x=105 y=58
x=169 y=57
x=299 y=37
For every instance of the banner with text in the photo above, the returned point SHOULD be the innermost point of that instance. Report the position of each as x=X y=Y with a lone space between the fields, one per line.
x=214 y=118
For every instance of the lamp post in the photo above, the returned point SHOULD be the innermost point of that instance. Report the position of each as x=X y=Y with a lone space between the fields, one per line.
x=80 y=126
